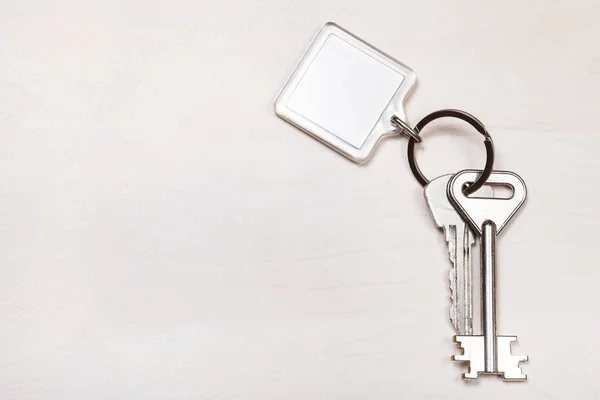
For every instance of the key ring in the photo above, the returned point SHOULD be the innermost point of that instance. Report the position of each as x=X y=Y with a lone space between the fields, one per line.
x=475 y=123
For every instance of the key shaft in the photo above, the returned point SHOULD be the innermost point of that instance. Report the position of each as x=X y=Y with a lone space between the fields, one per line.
x=488 y=295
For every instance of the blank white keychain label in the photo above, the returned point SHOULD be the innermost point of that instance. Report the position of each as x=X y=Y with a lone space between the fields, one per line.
x=344 y=93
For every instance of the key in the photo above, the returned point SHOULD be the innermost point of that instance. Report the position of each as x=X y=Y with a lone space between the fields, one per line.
x=488 y=353
x=460 y=238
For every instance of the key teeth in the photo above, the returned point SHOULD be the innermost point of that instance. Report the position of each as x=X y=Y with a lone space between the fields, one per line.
x=453 y=293
x=469 y=345
x=459 y=239
x=508 y=364
x=450 y=232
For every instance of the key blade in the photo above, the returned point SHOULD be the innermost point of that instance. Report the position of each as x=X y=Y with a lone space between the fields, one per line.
x=460 y=239
x=478 y=208
x=459 y=254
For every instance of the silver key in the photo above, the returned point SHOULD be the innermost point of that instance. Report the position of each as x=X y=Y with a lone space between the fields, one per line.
x=460 y=239
x=488 y=353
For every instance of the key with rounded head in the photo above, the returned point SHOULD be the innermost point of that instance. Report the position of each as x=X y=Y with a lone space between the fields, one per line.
x=488 y=353
x=460 y=238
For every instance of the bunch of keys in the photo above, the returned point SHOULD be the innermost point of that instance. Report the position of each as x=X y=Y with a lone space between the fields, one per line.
x=349 y=95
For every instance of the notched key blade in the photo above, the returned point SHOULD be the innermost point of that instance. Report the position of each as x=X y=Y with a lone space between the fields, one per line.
x=460 y=239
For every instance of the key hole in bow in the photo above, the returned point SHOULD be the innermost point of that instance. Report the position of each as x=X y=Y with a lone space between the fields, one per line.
x=502 y=191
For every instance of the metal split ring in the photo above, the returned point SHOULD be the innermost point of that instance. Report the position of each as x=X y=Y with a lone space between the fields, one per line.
x=404 y=129
x=475 y=123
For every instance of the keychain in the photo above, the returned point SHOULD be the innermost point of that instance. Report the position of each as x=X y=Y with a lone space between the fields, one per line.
x=349 y=95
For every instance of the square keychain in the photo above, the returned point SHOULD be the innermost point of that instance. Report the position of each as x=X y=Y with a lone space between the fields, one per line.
x=346 y=93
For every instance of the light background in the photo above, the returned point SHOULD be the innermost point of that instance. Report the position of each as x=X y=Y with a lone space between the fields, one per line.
x=163 y=235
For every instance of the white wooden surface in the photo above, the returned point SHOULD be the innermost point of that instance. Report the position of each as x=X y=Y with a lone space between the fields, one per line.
x=164 y=236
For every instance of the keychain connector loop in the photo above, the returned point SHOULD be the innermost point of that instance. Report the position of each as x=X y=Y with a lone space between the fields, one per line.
x=405 y=129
